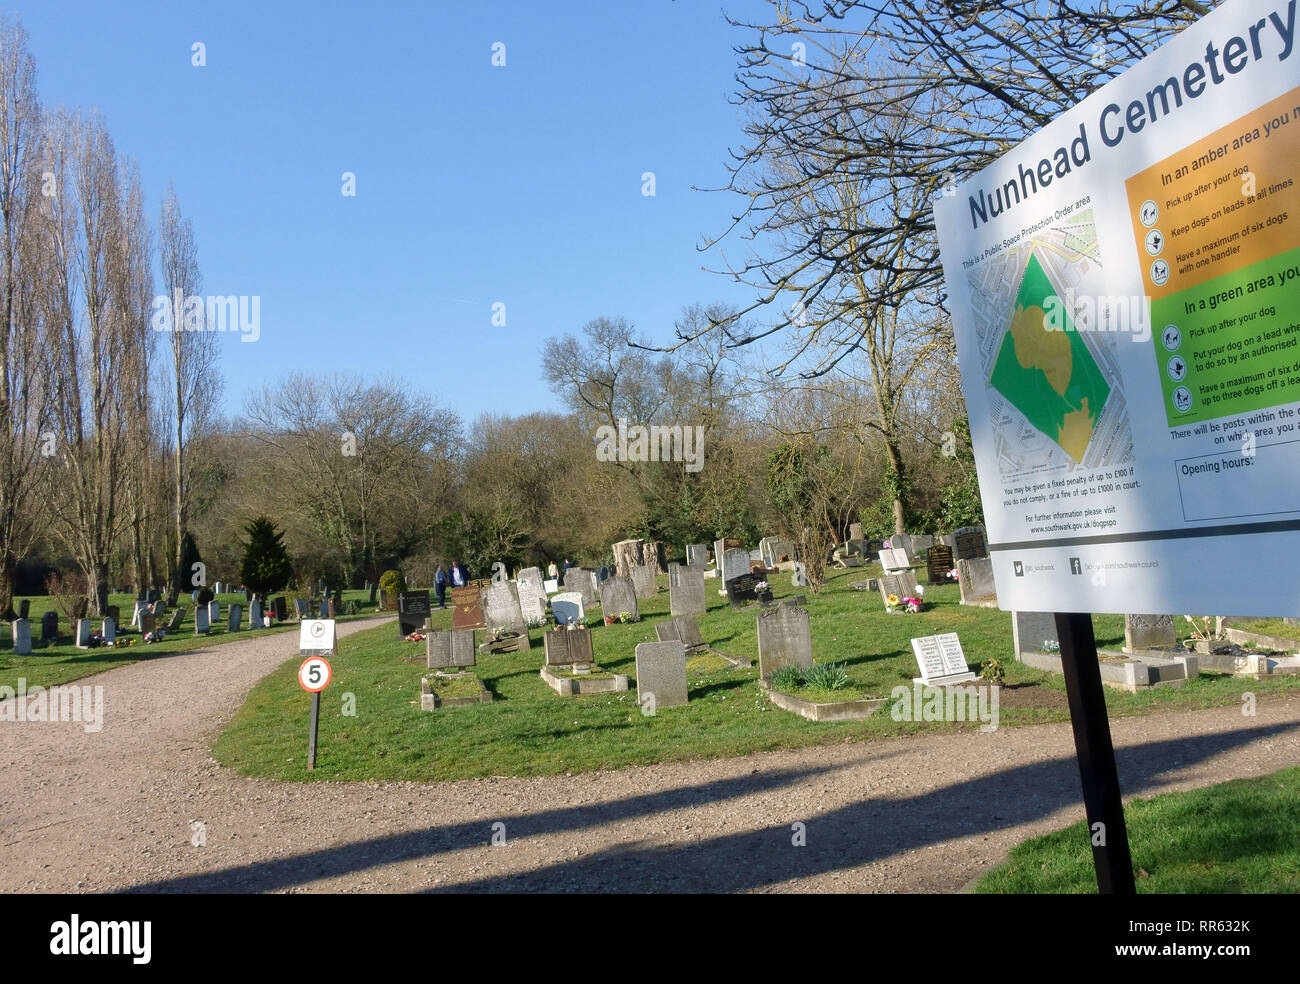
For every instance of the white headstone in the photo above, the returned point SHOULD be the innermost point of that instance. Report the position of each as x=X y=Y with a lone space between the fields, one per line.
x=568 y=607
x=84 y=630
x=22 y=631
x=941 y=660
x=108 y=630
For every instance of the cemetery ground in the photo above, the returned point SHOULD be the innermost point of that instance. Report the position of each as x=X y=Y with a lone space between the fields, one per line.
x=529 y=730
x=62 y=662
x=118 y=810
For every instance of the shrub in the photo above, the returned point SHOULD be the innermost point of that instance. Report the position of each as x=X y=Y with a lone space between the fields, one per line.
x=391 y=582
x=265 y=566
x=787 y=678
x=826 y=676
x=993 y=671
x=205 y=596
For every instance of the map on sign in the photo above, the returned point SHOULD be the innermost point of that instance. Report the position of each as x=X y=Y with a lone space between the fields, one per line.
x=1053 y=380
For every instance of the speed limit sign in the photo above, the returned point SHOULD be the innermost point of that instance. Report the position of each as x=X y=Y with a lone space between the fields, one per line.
x=314 y=674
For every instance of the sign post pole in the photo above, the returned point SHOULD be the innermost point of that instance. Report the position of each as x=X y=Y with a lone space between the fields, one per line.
x=1096 y=753
x=311 y=741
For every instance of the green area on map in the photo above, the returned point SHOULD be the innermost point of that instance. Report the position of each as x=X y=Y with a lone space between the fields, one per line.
x=1049 y=376
x=1238 y=344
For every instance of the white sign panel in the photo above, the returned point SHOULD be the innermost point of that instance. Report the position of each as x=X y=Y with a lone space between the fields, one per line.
x=316 y=635
x=1125 y=288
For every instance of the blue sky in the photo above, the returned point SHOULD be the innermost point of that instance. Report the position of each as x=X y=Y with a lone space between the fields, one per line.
x=475 y=184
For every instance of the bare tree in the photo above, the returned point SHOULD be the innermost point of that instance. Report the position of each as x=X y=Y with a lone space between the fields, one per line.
x=24 y=410
x=195 y=376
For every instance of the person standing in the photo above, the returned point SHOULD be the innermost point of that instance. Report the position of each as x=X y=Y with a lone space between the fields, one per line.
x=552 y=572
x=459 y=576
x=440 y=585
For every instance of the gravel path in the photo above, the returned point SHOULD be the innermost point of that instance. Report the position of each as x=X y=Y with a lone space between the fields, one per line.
x=112 y=811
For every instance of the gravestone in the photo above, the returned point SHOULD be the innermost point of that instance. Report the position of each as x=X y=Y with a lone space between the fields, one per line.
x=281 y=608
x=178 y=616
x=874 y=547
x=567 y=646
x=855 y=531
x=550 y=585
x=1142 y=632
x=799 y=577
x=902 y=584
x=969 y=543
x=858 y=548
x=22 y=634
x=643 y=581
x=532 y=593
x=784 y=639
x=618 y=595
x=697 y=555
x=627 y=554
x=412 y=611
x=214 y=612
x=568 y=607
x=112 y=611
x=1029 y=630
x=160 y=608
x=202 y=623
x=108 y=630
x=255 y=614
x=920 y=542
x=938 y=562
x=299 y=609
x=49 y=626
x=735 y=562
x=84 y=629
x=374 y=588
x=583 y=581
x=940 y=660
x=661 y=674
x=234 y=620
x=152 y=595
x=687 y=597
x=975 y=576
x=449 y=648
x=674 y=569
x=148 y=622
x=24 y=610
x=467 y=609
x=603 y=574
x=324 y=608
x=949 y=540
x=501 y=607
x=383 y=599
x=720 y=548
x=895 y=559
x=683 y=629
x=742 y=589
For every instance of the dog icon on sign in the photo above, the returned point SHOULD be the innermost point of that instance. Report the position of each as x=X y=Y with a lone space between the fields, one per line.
x=1076 y=565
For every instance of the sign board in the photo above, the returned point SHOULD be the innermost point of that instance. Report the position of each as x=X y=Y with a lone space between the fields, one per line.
x=314 y=674
x=315 y=635
x=1123 y=287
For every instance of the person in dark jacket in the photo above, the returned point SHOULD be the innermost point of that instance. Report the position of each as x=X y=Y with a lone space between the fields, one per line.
x=440 y=584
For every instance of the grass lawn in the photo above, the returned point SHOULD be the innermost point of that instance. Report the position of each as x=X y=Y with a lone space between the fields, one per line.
x=62 y=662
x=531 y=730
x=1236 y=837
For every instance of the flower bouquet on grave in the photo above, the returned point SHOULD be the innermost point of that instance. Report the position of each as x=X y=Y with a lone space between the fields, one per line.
x=912 y=605
x=95 y=641
x=1051 y=646
x=415 y=637
x=763 y=591
x=953 y=575
x=891 y=603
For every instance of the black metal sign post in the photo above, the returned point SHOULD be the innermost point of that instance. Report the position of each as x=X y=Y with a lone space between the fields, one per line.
x=311 y=740
x=1101 y=797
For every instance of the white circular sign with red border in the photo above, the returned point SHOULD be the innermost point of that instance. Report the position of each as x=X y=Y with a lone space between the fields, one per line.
x=314 y=674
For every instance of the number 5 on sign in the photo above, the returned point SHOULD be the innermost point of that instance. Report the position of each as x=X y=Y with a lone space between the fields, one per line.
x=314 y=674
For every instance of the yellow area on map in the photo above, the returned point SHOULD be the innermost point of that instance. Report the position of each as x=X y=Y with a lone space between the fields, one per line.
x=1038 y=348
x=1076 y=431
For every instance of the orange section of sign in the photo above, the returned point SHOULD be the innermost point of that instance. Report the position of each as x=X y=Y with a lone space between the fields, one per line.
x=1222 y=203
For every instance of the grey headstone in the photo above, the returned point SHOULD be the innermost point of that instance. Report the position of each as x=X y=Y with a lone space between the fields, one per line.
x=735 y=562
x=49 y=626
x=855 y=531
x=784 y=639
x=1029 y=630
x=454 y=647
x=798 y=577
x=583 y=581
x=148 y=622
x=661 y=671
x=236 y=617
x=975 y=577
x=214 y=612
x=687 y=596
x=84 y=630
x=25 y=611
x=501 y=609
x=255 y=614
x=902 y=584
x=178 y=616
x=202 y=620
x=568 y=606
x=969 y=543
x=920 y=542
x=22 y=633
x=1143 y=632
x=684 y=629
x=697 y=555
x=617 y=595
x=108 y=630
x=567 y=646
x=643 y=581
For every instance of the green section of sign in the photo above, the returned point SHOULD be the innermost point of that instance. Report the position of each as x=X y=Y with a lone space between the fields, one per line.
x=1238 y=344
x=1049 y=376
